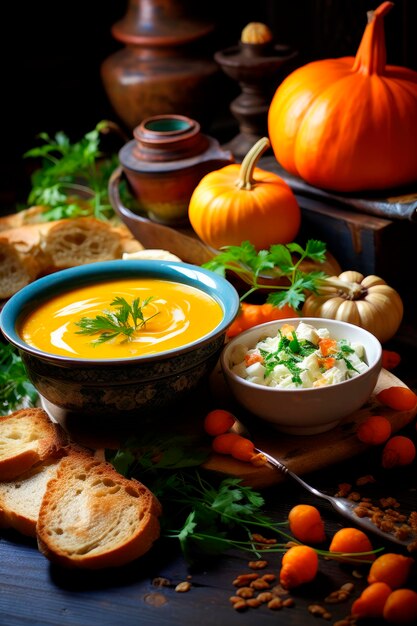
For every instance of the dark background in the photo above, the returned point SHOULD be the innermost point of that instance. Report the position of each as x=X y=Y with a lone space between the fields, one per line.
x=53 y=52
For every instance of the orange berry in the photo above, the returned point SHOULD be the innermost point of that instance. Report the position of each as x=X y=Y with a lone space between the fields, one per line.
x=401 y=607
x=390 y=359
x=398 y=450
x=352 y=540
x=398 y=398
x=218 y=422
x=375 y=430
x=299 y=565
x=223 y=443
x=391 y=568
x=372 y=601
x=306 y=524
x=243 y=449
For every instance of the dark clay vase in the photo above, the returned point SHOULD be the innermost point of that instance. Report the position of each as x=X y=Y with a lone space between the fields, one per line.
x=165 y=162
x=160 y=69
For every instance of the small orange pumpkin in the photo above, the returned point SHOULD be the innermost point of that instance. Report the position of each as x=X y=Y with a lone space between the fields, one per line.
x=348 y=124
x=244 y=203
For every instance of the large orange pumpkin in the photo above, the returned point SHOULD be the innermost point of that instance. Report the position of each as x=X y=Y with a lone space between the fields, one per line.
x=349 y=124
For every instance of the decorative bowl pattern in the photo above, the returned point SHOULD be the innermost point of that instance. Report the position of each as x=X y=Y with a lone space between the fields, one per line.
x=120 y=388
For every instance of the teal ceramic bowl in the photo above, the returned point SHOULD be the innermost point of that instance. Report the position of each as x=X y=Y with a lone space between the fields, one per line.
x=123 y=388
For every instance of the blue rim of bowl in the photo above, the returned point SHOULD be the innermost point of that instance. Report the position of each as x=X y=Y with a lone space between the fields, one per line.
x=37 y=292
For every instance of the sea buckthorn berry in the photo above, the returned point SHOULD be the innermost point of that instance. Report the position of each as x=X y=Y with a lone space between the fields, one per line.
x=398 y=398
x=223 y=443
x=372 y=601
x=352 y=540
x=218 y=422
x=374 y=430
x=399 y=450
x=306 y=524
x=401 y=607
x=299 y=565
x=390 y=359
x=391 y=568
x=243 y=449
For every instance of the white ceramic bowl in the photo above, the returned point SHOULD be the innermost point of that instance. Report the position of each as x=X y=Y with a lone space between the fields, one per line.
x=305 y=411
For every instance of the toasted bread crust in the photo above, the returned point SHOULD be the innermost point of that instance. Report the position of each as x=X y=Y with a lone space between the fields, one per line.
x=20 y=499
x=30 y=250
x=27 y=437
x=92 y=517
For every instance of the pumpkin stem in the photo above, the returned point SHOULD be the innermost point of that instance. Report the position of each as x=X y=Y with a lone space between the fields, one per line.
x=246 y=179
x=371 y=56
x=353 y=291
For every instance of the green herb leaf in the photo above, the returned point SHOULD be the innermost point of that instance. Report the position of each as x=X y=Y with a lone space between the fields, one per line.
x=16 y=390
x=72 y=180
x=125 y=321
x=276 y=263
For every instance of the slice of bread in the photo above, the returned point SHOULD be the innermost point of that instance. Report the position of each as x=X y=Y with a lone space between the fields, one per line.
x=92 y=517
x=67 y=243
x=34 y=249
x=17 y=269
x=27 y=437
x=20 y=499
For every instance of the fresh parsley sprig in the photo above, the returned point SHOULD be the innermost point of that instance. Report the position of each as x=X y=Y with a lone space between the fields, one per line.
x=16 y=390
x=72 y=180
x=124 y=321
x=208 y=516
x=279 y=262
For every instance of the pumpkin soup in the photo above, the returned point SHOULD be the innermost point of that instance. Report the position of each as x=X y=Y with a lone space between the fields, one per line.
x=168 y=315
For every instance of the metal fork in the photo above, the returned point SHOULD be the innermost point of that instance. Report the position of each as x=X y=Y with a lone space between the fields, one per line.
x=342 y=505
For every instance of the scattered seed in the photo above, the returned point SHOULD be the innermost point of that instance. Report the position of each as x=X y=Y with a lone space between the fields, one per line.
x=269 y=578
x=234 y=599
x=265 y=596
x=260 y=584
x=244 y=579
x=161 y=582
x=245 y=592
x=317 y=610
x=275 y=603
x=257 y=564
x=241 y=605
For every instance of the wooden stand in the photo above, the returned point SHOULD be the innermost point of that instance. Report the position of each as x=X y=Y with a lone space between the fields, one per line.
x=367 y=243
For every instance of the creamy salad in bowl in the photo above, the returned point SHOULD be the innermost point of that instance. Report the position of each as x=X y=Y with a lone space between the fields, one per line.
x=299 y=356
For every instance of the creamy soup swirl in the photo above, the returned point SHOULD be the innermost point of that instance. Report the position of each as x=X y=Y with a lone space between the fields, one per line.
x=177 y=315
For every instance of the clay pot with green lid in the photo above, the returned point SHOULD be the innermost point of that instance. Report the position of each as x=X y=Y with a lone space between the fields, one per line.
x=164 y=163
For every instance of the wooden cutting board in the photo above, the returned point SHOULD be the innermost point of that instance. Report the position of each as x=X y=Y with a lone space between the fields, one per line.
x=301 y=454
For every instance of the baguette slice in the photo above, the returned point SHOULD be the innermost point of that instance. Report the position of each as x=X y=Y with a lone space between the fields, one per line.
x=17 y=269
x=32 y=215
x=27 y=437
x=67 y=243
x=92 y=517
x=34 y=249
x=20 y=499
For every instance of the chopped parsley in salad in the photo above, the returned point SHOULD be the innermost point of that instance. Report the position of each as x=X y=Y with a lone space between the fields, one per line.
x=299 y=357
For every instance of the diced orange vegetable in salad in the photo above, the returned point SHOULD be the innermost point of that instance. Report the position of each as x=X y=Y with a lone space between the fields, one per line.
x=328 y=346
x=255 y=357
x=287 y=330
x=327 y=363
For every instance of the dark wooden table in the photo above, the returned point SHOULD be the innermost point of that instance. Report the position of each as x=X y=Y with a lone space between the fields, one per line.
x=32 y=591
